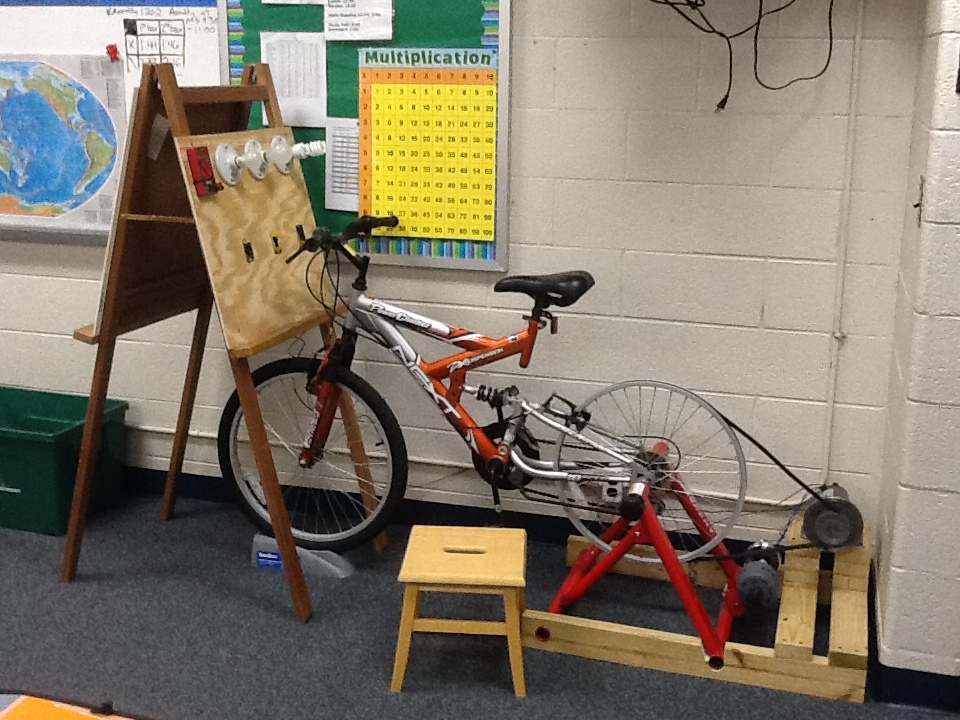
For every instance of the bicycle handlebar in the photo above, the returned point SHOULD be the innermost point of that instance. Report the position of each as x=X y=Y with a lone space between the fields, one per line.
x=322 y=238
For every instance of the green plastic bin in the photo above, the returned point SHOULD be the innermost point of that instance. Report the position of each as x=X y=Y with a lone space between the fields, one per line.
x=40 y=434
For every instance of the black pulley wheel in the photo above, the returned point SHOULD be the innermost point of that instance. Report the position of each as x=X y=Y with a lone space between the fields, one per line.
x=832 y=524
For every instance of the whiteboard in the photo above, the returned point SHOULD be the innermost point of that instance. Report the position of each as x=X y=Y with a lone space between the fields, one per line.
x=189 y=34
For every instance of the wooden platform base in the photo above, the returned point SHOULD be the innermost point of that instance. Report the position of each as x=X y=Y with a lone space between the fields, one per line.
x=791 y=665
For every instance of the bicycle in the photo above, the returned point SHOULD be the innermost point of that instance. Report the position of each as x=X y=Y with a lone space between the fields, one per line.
x=636 y=462
x=335 y=502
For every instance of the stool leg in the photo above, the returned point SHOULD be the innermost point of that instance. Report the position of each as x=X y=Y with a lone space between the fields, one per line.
x=512 y=602
x=411 y=610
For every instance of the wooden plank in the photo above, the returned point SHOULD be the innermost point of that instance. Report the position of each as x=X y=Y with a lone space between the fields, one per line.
x=460 y=627
x=361 y=463
x=848 y=629
x=799 y=593
x=172 y=99
x=848 y=606
x=841 y=582
x=108 y=319
x=86 y=334
x=133 y=217
x=186 y=407
x=854 y=562
x=263 y=301
x=797 y=621
x=466 y=589
x=277 y=509
x=670 y=652
x=223 y=94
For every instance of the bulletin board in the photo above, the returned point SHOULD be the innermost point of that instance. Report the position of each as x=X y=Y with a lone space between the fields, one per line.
x=456 y=47
x=65 y=99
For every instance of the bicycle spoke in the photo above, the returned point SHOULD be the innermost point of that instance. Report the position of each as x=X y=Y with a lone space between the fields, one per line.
x=334 y=498
x=634 y=418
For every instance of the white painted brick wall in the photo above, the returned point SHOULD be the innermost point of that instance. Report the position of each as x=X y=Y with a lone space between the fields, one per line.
x=918 y=575
x=713 y=238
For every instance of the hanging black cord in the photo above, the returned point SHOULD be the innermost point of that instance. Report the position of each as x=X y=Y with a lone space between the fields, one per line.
x=708 y=28
x=726 y=96
x=792 y=475
x=756 y=51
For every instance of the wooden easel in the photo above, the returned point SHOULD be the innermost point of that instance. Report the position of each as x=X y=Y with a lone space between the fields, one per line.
x=156 y=269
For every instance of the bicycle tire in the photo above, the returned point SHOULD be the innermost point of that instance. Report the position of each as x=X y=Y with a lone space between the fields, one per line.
x=323 y=493
x=718 y=485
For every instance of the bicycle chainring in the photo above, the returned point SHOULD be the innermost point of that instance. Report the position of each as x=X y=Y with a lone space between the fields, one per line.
x=515 y=478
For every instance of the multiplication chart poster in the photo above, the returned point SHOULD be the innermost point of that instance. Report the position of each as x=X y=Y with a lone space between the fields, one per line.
x=428 y=149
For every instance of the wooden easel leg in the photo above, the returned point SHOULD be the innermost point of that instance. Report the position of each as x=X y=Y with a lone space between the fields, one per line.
x=279 y=517
x=186 y=406
x=88 y=455
x=361 y=463
x=358 y=453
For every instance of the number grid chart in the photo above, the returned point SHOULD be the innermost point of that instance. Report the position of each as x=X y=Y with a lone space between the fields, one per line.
x=428 y=151
x=154 y=41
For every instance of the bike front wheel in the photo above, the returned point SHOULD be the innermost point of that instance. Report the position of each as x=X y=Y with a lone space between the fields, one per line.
x=684 y=450
x=348 y=495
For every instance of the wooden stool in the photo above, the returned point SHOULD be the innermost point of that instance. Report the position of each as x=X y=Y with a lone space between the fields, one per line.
x=490 y=561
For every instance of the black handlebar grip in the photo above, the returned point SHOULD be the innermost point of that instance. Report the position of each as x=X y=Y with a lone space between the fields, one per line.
x=296 y=254
x=365 y=224
x=391 y=221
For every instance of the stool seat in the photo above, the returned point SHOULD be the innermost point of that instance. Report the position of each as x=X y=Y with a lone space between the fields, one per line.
x=465 y=556
x=463 y=560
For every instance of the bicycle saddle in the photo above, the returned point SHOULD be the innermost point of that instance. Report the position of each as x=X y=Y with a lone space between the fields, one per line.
x=561 y=289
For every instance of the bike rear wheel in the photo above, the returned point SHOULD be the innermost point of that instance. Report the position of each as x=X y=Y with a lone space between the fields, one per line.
x=684 y=448
x=350 y=492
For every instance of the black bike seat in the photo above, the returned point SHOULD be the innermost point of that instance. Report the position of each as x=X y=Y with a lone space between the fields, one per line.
x=561 y=289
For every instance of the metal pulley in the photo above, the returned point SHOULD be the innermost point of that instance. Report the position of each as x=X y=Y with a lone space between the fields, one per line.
x=833 y=522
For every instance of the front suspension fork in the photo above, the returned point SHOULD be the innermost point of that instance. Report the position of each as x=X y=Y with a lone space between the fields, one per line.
x=328 y=399
x=327 y=392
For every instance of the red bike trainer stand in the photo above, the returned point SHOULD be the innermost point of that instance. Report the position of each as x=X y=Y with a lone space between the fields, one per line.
x=593 y=564
x=790 y=665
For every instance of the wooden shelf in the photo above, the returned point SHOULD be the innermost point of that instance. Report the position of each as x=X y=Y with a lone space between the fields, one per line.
x=158 y=218
x=86 y=335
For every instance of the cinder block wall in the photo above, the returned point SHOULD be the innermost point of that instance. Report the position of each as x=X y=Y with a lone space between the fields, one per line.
x=714 y=239
x=918 y=580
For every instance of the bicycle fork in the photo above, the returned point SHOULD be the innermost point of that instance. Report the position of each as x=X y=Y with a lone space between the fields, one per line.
x=327 y=393
x=328 y=398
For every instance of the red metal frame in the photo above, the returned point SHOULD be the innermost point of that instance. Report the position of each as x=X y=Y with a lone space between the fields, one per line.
x=478 y=350
x=592 y=564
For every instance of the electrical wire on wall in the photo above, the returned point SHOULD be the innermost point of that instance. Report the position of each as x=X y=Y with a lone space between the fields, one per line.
x=693 y=11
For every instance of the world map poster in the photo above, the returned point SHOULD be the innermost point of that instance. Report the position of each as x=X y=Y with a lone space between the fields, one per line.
x=62 y=124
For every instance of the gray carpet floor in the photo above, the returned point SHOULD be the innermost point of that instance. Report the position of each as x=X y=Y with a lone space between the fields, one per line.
x=170 y=621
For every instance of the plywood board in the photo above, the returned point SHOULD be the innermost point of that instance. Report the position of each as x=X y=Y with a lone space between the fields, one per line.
x=265 y=301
